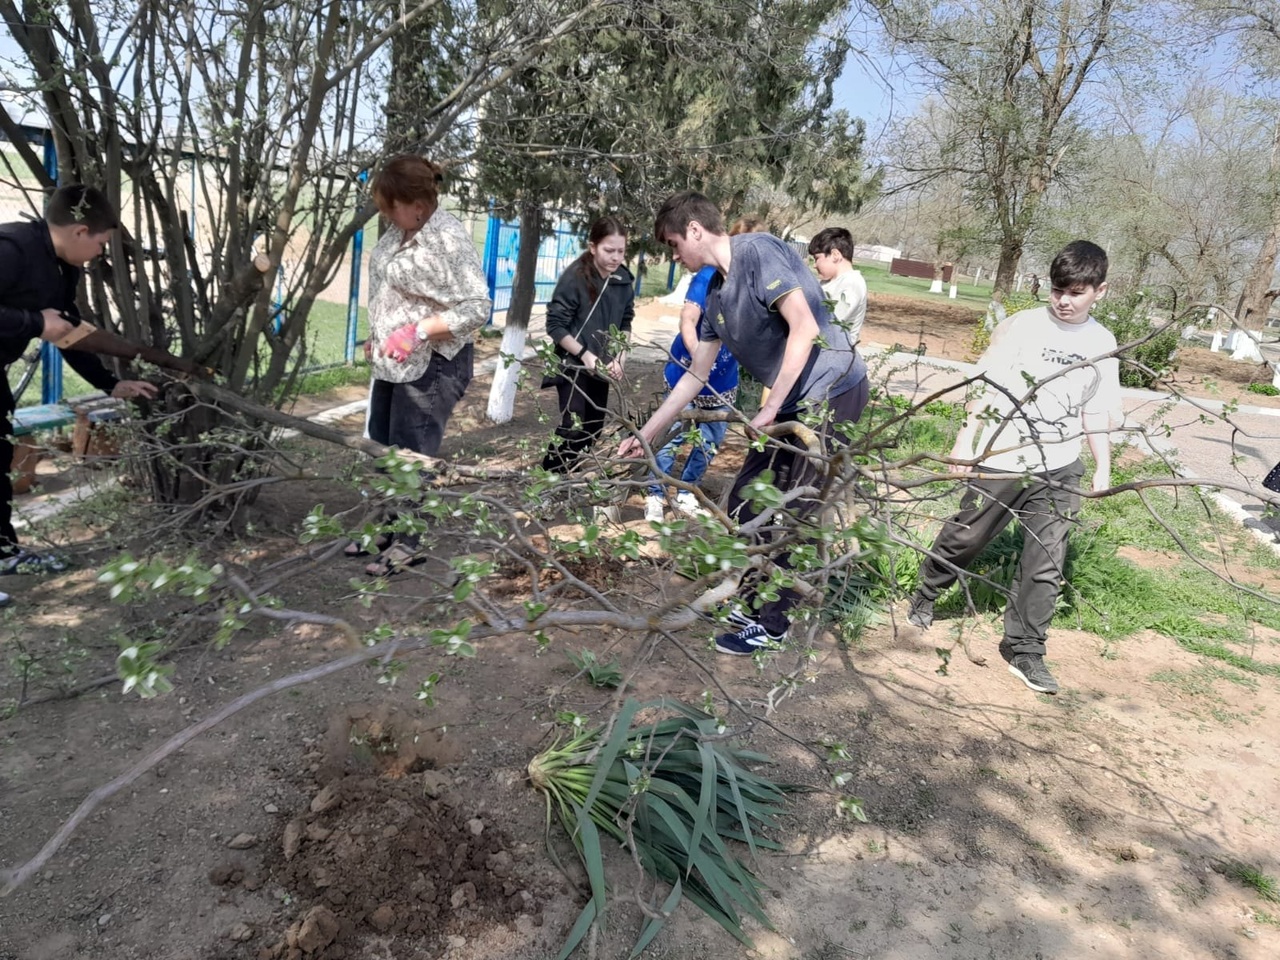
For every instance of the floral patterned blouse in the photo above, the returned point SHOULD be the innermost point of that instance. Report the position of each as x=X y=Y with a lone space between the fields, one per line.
x=435 y=271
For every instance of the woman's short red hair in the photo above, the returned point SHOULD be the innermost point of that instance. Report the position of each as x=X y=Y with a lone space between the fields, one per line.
x=408 y=178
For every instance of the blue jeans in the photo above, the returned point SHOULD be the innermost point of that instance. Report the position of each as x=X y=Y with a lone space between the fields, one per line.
x=700 y=457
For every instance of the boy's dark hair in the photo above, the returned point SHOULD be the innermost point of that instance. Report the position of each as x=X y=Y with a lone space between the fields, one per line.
x=1079 y=264
x=832 y=238
x=76 y=205
x=681 y=209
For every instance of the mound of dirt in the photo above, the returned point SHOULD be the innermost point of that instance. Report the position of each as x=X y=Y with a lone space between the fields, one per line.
x=375 y=856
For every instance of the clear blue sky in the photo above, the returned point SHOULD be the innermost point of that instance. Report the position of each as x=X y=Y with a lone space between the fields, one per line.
x=877 y=89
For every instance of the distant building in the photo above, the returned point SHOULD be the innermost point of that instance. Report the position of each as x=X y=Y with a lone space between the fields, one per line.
x=877 y=252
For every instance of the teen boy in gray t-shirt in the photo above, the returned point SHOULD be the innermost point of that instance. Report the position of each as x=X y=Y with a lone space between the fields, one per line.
x=767 y=308
x=742 y=306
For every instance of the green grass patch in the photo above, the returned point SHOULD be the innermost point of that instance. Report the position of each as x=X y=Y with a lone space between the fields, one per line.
x=891 y=428
x=879 y=281
x=1203 y=680
x=1247 y=875
x=1107 y=595
x=858 y=595
x=333 y=378
x=327 y=333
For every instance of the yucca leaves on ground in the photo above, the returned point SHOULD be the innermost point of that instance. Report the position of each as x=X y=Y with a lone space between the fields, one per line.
x=676 y=794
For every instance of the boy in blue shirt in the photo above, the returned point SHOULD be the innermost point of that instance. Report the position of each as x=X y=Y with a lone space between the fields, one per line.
x=719 y=394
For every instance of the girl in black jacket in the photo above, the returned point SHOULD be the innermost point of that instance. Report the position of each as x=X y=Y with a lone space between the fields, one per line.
x=594 y=296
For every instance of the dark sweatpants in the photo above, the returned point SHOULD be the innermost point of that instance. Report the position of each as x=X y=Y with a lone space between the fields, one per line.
x=8 y=539
x=584 y=400
x=791 y=469
x=1046 y=514
x=413 y=415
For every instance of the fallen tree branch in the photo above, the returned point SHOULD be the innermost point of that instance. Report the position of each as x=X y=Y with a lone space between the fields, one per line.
x=214 y=394
x=10 y=880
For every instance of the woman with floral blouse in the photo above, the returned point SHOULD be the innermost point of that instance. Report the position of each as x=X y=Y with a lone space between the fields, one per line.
x=427 y=298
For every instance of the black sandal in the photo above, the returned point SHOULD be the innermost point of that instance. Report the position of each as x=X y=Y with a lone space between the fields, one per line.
x=380 y=543
x=398 y=556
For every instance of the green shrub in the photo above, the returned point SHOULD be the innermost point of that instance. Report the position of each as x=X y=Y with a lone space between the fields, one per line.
x=1128 y=318
x=1265 y=389
x=859 y=595
x=1013 y=302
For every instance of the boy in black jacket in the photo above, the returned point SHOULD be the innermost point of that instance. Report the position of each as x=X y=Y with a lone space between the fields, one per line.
x=40 y=267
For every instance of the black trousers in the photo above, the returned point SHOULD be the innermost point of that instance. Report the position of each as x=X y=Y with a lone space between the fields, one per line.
x=413 y=415
x=791 y=469
x=1047 y=513
x=584 y=401
x=8 y=539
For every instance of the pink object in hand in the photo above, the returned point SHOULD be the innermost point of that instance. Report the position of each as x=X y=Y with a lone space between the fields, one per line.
x=400 y=342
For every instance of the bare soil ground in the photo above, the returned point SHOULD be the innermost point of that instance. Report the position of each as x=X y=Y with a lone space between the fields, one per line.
x=343 y=819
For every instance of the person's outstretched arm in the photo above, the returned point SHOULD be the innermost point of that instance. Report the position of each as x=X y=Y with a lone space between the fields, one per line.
x=686 y=388
x=802 y=330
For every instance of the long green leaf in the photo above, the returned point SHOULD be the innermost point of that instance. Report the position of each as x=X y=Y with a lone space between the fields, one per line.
x=675 y=827
x=705 y=795
x=593 y=860
x=621 y=727
x=585 y=919
x=726 y=878
x=743 y=819
x=702 y=898
x=651 y=928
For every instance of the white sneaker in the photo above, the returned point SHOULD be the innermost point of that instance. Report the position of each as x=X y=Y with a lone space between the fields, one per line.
x=4 y=599
x=654 y=509
x=688 y=504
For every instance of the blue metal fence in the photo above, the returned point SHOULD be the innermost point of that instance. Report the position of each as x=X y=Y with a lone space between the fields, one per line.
x=502 y=246
x=50 y=356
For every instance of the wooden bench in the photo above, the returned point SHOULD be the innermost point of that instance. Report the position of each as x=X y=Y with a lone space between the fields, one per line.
x=84 y=412
x=45 y=416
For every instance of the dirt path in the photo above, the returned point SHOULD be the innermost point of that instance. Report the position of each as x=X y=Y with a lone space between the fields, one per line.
x=1003 y=824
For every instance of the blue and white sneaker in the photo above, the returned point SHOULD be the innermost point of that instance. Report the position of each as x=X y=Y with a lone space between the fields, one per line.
x=25 y=562
x=749 y=640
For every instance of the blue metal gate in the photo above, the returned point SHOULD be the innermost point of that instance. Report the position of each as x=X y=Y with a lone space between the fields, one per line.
x=502 y=246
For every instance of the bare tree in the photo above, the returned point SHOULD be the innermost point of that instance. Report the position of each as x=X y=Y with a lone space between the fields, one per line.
x=1009 y=73
x=1256 y=24
x=231 y=136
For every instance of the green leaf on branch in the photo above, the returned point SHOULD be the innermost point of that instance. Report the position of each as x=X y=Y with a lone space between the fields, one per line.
x=137 y=667
x=454 y=641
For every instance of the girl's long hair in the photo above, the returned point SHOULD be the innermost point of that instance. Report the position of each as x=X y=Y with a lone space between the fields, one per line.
x=600 y=230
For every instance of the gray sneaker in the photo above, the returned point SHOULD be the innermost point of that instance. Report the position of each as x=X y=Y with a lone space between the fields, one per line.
x=920 y=613
x=1030 y=669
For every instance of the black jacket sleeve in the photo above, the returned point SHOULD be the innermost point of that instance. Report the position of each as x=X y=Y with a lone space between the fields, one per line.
x=564 y=311
x=629 y=312
x=16 y=323
x=91 y=368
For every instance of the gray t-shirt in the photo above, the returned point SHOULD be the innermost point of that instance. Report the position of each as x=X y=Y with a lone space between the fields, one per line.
x=742 y=308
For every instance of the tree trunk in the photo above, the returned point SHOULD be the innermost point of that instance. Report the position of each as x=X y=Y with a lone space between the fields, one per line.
x=1007 y=269
x=502 y=396
x=1259 y=290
